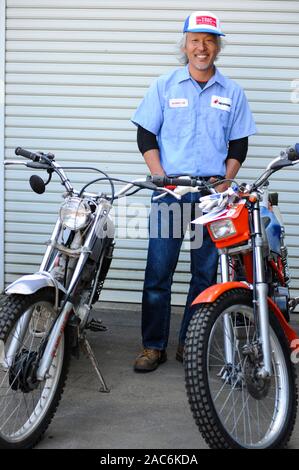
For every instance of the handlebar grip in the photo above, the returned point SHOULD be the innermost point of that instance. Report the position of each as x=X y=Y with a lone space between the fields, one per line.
x=25 y=153
x=162 y=181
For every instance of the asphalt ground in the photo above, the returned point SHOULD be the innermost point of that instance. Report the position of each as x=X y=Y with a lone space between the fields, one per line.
x=141 y=411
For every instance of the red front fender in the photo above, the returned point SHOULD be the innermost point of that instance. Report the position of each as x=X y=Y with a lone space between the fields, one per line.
x=213 y=292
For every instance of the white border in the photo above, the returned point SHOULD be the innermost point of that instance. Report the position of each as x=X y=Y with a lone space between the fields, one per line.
x=2 y=133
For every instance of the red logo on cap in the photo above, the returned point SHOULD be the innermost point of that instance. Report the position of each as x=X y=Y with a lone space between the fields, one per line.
x=208 y=20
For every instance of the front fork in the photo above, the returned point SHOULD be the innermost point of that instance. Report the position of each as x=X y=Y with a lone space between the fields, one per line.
x=59 y=326
x=227 y=326
x=261 y=301
x=261 y=290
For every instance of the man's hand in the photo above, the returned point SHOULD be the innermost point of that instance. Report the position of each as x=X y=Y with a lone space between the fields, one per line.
x=221 y=187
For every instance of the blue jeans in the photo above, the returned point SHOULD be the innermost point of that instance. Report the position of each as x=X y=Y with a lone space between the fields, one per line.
x=168 y=224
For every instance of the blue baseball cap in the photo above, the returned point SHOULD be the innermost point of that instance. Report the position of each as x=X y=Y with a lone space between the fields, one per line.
x=203 y=22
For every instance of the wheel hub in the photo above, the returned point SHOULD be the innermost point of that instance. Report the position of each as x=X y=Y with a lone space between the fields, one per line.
x=258 y=387
x=22 y=373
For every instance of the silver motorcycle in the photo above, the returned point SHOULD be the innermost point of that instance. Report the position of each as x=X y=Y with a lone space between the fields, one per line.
x=44 y=316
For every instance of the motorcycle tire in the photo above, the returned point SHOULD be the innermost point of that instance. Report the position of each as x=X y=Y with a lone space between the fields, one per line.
x=27 y=406
x=232 y=406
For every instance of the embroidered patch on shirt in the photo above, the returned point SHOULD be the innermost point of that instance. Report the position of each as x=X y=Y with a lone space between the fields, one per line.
x=178 y=103
x=221 y=103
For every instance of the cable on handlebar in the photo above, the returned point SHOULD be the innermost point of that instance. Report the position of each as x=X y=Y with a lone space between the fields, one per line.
x=120 y=181
x=107 y=177
x=110 y=181
x=131 y=193
x=225 y=180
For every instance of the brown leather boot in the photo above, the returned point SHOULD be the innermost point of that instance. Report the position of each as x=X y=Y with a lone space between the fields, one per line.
x=149 y=359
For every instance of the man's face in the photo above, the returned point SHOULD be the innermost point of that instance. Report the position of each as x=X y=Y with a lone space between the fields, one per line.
x=201 y=50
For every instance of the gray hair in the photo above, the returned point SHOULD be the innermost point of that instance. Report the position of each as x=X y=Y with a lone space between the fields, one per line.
x=182 y=56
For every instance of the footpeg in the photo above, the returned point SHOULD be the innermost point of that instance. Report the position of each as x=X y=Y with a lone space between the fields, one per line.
x=95 y=325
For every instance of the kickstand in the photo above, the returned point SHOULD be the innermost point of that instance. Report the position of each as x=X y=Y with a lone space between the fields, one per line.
x=86 y=346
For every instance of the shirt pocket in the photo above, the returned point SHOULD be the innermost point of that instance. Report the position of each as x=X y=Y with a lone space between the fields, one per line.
x=217 y=124
x=178 y=122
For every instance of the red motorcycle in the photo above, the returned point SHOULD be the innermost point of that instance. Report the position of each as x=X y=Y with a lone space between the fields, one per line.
x=240 y=378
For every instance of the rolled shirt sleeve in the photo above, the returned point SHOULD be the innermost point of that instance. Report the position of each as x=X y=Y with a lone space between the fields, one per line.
x=149 y=113
x=243 y=124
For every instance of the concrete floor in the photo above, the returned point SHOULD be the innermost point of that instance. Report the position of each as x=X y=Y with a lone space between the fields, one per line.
x=142 y=411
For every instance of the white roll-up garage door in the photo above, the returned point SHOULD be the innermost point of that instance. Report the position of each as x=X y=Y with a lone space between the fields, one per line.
x=75 y=72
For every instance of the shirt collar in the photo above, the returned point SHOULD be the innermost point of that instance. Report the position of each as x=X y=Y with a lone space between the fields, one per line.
x=217 y=77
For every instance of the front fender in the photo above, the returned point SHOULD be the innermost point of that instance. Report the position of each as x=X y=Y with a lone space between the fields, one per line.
x=31 y=283
x=212 y=293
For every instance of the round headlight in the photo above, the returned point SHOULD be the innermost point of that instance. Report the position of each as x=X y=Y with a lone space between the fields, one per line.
x=74 y=213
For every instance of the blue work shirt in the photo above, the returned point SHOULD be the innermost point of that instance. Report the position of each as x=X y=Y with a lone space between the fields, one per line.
x=193 y=125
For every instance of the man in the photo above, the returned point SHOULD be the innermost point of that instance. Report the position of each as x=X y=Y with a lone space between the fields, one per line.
x=192 y=121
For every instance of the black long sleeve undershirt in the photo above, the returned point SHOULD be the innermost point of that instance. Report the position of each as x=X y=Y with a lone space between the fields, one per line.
x=237 y=149
x=146 y=140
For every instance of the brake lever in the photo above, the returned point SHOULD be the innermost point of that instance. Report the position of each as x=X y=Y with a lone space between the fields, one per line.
x=165 y=191
x=187 y=189
x=14 y=162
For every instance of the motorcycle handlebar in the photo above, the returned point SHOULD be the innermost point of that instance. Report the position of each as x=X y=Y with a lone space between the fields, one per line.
x=42 y=161
x=25 y=153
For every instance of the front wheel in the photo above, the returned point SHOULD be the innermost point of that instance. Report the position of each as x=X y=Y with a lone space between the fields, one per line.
x=27 y=405
x=231 y=405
